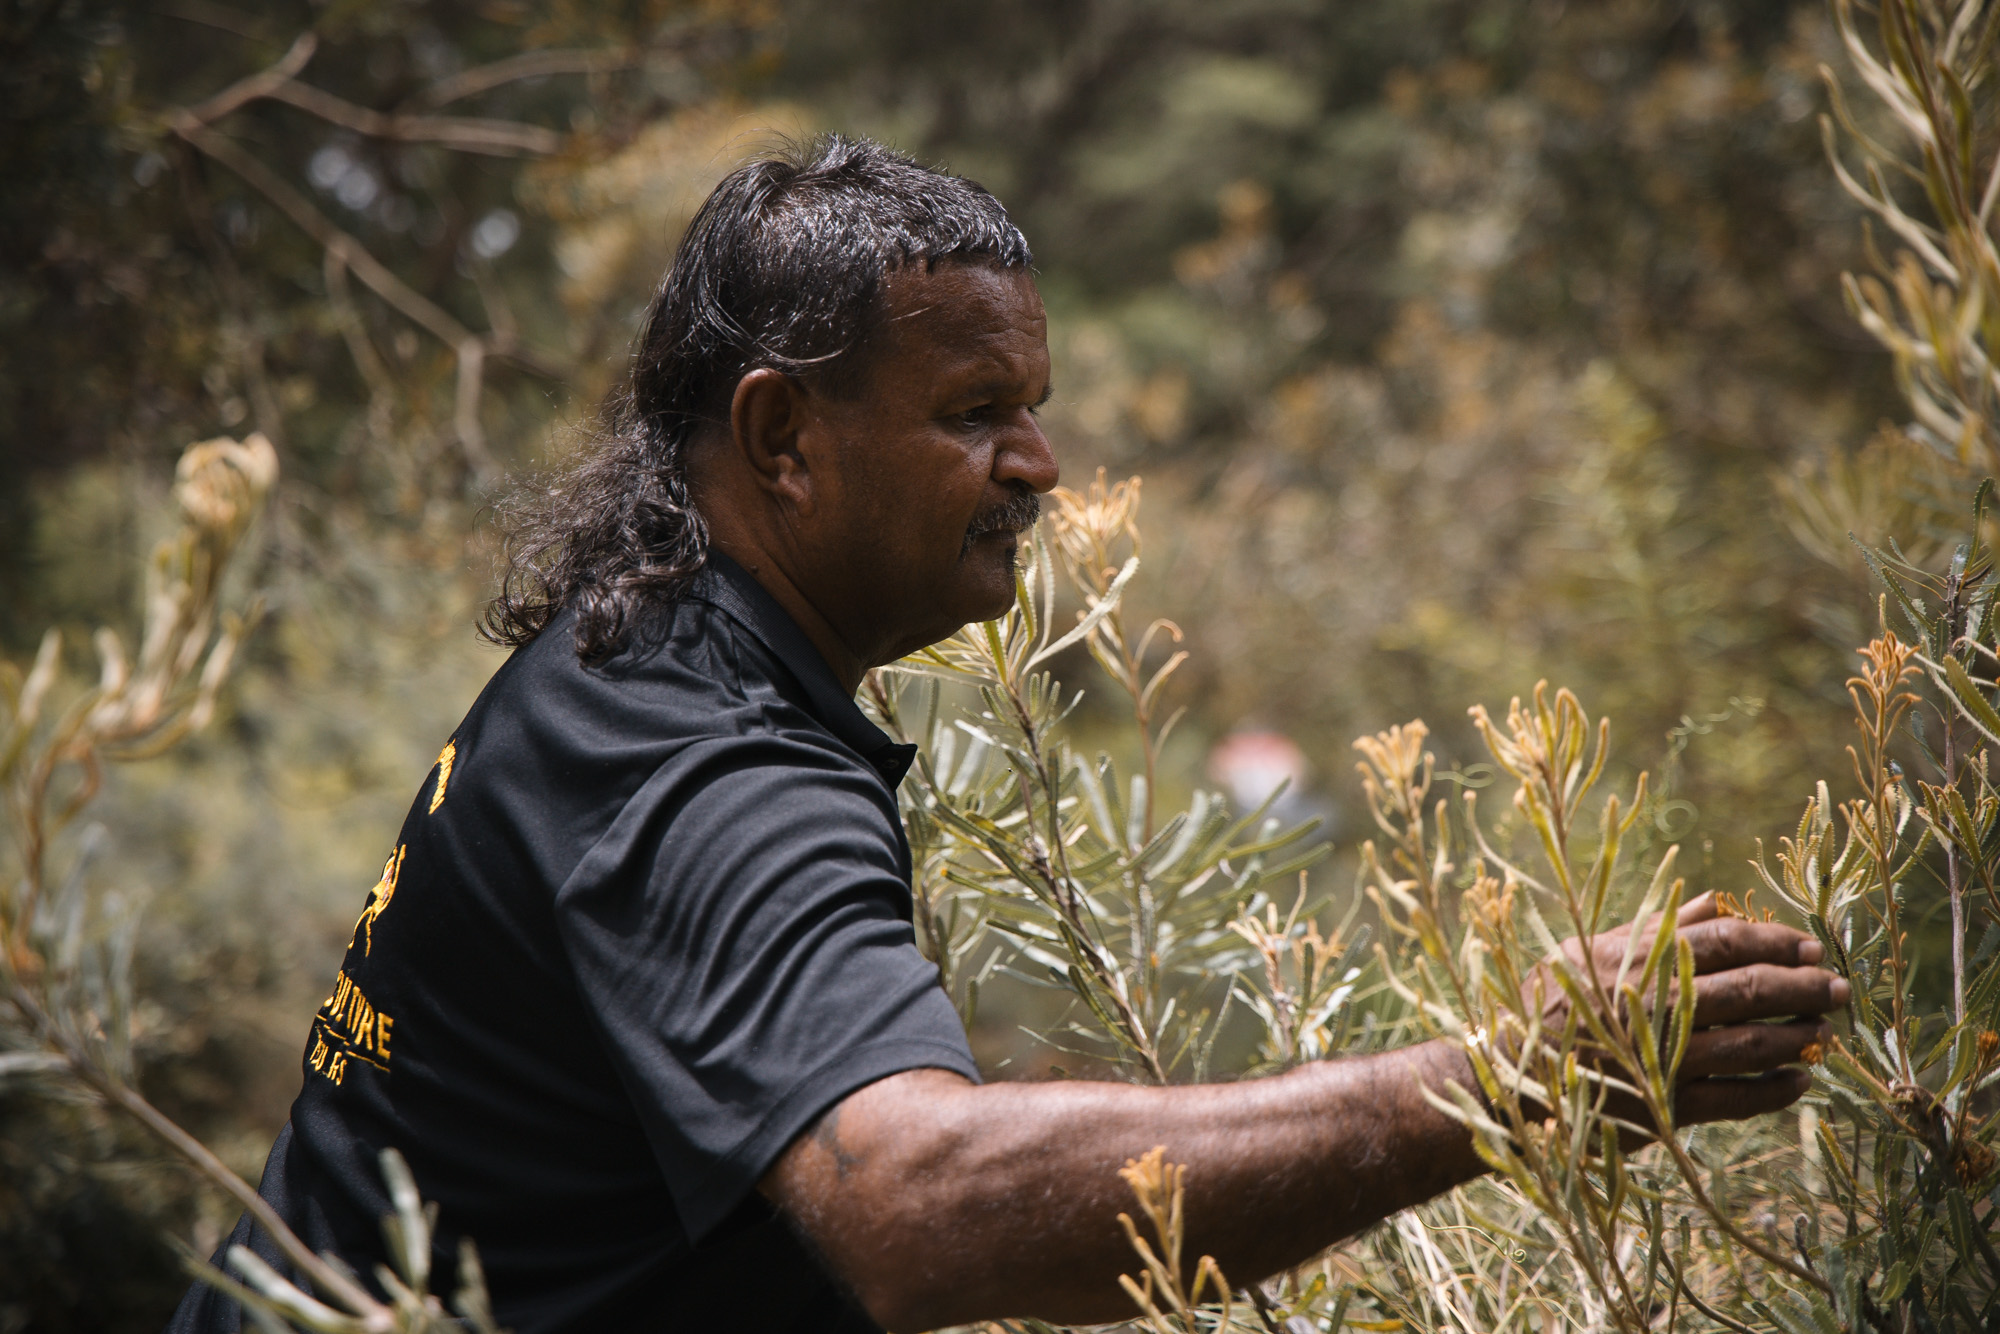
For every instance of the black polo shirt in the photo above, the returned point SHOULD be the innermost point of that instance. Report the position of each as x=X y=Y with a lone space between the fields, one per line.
x=646 y=921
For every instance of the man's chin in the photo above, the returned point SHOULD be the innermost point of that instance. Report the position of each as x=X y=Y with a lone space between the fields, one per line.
x=986 y=580
x=990 y=565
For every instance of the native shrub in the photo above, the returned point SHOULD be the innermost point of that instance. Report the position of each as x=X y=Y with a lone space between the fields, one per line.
x=1870 y=1207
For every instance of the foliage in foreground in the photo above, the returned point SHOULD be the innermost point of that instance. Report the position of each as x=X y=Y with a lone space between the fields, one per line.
x=1870 y=1208
x=1873 y=1207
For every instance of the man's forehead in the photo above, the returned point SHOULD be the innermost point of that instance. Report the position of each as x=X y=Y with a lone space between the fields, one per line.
x=978 y=296
x=962 y=318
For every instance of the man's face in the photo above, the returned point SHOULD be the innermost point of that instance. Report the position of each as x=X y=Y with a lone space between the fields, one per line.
x=925 y=479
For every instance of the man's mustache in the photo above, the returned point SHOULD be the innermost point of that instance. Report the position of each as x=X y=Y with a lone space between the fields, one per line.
x=1016 y=515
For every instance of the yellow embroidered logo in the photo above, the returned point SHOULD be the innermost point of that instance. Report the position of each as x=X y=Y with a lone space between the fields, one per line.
x=445 y=757
x=378 y=899
x=347 y=1028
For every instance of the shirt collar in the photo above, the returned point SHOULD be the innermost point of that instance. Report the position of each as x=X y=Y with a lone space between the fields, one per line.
x=736 y=592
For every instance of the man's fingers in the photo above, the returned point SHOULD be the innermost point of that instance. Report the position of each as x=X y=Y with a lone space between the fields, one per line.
x=1735 y=1099
x=1721 y=943
x=1765 y=991
x=1700 y=908
x=1748 y=1049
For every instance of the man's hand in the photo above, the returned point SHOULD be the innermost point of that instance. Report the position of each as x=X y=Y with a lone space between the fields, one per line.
x=1738 y=1063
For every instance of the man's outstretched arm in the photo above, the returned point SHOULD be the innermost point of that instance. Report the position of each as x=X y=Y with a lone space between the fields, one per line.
x=942 y=1202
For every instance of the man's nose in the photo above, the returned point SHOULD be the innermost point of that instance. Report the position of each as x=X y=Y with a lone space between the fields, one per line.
x=1026 y=457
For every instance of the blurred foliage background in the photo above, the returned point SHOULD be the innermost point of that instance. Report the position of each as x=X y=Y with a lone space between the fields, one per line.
x=1460 y=343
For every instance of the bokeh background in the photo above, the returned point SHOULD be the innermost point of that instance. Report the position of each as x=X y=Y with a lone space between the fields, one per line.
x=1460 y=344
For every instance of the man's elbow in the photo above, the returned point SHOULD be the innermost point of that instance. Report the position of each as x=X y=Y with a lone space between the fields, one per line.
x=921 y=1264
x=885 y=1188
x=903 y=1271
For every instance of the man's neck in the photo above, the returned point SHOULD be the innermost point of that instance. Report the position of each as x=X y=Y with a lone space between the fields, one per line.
x=846 y=665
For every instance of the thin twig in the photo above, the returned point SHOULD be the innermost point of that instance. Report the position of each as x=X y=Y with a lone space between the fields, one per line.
x=315 y=224
x=528 y=65
x=249 y=89
x=280 y=83
x=496 y=138
x=1690 y=1175
x=1680 y=1283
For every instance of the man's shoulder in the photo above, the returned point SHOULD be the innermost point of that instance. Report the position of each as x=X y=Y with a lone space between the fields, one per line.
x=688 y=671
x=698 y=695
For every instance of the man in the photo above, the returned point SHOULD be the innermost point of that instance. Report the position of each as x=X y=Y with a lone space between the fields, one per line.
x=637 y=994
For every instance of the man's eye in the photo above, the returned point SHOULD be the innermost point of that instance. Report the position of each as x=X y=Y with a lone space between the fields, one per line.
x=973 y=417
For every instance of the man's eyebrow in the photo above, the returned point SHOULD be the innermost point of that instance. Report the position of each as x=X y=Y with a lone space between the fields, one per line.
x=995 y=388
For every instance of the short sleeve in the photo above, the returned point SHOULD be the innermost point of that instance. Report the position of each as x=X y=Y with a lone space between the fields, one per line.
x=741 y=935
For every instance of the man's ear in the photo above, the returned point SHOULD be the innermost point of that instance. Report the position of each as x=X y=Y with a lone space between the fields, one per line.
x=766 y=415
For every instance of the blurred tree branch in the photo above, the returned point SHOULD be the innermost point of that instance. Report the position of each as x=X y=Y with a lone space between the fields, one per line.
x=280 y=83
x=194 y=125
x=199 y=126
x=532 y=65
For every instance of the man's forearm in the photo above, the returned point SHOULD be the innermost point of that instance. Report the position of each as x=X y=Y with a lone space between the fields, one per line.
x=945 y=1202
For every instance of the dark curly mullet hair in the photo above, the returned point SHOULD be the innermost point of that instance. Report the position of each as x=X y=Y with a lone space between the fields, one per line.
x=782 y=267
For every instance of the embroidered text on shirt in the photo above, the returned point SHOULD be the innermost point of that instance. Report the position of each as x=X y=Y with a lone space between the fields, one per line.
x=348 y=1028
x=378 y=899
